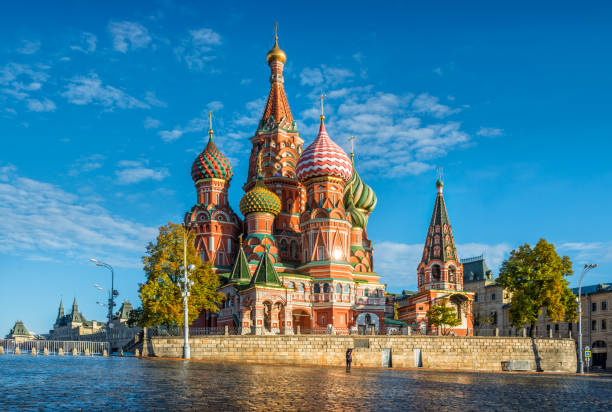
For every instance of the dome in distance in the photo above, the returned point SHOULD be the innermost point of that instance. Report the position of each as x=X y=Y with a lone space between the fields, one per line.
x=324 y=158
x=211 y=164
x=260 y=199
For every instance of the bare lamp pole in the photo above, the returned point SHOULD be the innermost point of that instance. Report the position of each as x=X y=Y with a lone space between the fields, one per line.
x=586 y=269
x=113 y=293
x=185 y=286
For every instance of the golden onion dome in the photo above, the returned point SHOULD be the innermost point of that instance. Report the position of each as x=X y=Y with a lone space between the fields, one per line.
x=260 y=199
x=276 y=53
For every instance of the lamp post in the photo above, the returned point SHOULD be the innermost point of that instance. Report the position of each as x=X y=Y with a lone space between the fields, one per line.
x=585 y=269
x=185 y=286
x=113 y=293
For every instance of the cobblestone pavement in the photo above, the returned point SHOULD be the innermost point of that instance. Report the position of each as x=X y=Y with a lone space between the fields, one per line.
x=96 y=383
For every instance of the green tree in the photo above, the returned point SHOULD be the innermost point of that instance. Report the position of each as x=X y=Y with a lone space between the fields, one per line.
x=162 y=302
x=444 y=317
x=537 y=279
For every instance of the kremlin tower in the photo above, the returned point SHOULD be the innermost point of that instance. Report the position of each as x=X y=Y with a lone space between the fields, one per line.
x=306 y=262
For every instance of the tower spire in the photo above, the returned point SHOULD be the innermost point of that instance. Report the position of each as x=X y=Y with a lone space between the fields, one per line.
x=352 y=140
x=323 y=96
x=210 y=129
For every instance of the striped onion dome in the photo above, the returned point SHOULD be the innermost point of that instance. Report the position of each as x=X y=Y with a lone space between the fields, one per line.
x=359 y=200
x=260 y=199
x=324 y=158
x=211 y=163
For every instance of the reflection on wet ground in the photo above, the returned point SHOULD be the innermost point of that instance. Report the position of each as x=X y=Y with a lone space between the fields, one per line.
x=154 y=384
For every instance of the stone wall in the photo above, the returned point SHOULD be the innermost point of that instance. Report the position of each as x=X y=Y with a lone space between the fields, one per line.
x=436 y=352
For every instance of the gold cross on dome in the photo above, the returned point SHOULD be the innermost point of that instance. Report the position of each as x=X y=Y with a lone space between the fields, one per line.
x=439 y=170
x=276 y=30
x=323 y=96
x=210 y=119
x=352 y=140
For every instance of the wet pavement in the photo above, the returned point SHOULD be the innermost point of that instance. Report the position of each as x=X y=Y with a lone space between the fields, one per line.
x=96 y=383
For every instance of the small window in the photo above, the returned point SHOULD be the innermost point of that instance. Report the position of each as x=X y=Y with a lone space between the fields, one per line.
x=569 y=326
x=339 y=289
x=320 y=253
x=347 y=289
x=493 y=296
x=603 y=324
x=547 y=328
x=604 y=305
x=325 y=288
x=594 y=307
x=301 y=287
x=291 y=285
x=317 y=288
x=556 y=327
x=475 y=297
x=594 y=325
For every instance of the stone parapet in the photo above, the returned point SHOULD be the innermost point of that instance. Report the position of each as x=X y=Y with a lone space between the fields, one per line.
x=433 y=352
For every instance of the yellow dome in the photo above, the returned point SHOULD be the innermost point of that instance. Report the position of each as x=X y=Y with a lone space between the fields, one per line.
x=276 y=53
x=260 y=199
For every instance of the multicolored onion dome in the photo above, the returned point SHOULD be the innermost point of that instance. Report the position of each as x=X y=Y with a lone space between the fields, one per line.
x=260 y=199
x=211 y=164
x=359 y=200
x=324 y=158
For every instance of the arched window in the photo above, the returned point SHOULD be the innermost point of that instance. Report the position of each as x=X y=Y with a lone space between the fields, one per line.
x=301 y=287
x=339 y=289
x=325 y=288
x=421 y=277
x=452 y=275
x=291 y=285
x=435 y=273
x=317 y=288
x=366 y=292
x=347 y=289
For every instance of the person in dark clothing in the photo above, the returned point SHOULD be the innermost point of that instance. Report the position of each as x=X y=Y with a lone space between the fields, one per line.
x=349 y=359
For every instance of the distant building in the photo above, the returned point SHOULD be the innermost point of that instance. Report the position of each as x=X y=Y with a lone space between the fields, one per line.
x=491 y=302
x=73 y=325
x=20 y=333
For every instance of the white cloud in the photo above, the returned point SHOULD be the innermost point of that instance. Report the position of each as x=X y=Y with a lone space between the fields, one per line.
x=44 y=105
x=88 y=89
x=196 y=49
x=586 y=252
x=86 y=164
x=151 y=123
x=19 y=80
x=490 y=132
x=196 y=124
x=438 y=71
x=152 y=99
x=397 y=262
x=128 y=35
x=134 y=171
x=29 y=47
x=88 y=43
x=41 y=219
x=324 y=75
x=425 y=103
x=215 y=105
x=170 y=135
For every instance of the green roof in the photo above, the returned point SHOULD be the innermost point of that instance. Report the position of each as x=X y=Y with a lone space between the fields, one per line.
x=265 y=272
x=19 y=329
x=394 y=322
x=241 y=272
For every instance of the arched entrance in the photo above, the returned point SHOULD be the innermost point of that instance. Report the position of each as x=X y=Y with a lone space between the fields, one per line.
x=600 y=354
x=367 y=322
x=301 y=318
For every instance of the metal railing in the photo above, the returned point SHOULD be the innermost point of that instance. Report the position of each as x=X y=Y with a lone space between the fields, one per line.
x=53 y=346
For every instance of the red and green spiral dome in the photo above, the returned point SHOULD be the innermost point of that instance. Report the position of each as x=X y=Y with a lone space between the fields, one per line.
x=211 y=164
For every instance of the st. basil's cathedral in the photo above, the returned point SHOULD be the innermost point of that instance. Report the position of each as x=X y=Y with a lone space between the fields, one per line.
x=301 y=260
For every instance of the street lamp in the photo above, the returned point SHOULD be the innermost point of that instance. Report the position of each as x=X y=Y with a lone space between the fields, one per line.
x=185 y=286
x=113 y=293
x=585 y=269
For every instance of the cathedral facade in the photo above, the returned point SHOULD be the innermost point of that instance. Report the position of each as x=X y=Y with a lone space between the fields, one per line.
x=300 y=258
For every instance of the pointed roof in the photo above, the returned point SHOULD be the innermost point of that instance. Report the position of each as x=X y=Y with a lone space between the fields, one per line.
x=75 y=306
x=265 y=274
x=440 y=244
x=75 y=315
x=60 y=311
x=19 y=329
x=277 y=105
x=241 y=273
x=124 y=310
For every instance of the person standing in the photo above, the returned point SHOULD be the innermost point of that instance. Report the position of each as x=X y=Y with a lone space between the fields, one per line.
x=349 y=359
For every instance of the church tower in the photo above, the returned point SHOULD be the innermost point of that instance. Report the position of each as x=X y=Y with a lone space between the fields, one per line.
x=324 y=169
x=439 y=268
x=278 y=142
x=216 y=225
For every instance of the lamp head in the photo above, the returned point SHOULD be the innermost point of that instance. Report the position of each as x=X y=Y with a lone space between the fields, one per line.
x=191 y=267
x=93 y=260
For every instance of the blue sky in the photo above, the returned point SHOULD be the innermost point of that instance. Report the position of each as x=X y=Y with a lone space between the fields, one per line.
x=103 y=109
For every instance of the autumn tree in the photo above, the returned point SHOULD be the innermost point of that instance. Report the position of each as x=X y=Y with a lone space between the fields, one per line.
x=443 y=316
x=162 y=302
x=537 y=279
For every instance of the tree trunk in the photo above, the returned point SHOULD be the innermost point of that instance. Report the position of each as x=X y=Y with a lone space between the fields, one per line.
x=533 y=330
